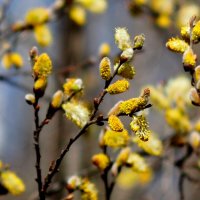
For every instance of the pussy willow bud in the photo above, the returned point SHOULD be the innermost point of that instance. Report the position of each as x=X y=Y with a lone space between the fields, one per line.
x=194 y=96
x=194 y=140
x=33 y=55
x=197 y=73
x=73 y=183
x=177 y=45
x=105 y=68
x=101 y=161
x=104 y=50
x=55 y=104
x=40 y=87
x=196 y=32
x=139 y=41
x=30 y=99
x=127 y=54
x=198 y=85
x=115 y=109
x=189 y=59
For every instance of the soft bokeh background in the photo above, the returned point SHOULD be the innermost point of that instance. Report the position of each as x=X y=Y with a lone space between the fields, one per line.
x=72 y=46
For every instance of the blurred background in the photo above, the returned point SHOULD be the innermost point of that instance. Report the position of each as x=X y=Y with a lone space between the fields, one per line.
x=77 y=48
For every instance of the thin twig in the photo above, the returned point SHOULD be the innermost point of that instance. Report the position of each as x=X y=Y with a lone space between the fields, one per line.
x=54 y=168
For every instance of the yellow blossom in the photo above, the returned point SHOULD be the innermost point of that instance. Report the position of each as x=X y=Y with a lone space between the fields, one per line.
x=42 y=66
x=30 y=99
x=105 y=68
x=73 y=182
x=194 y=140
x=42 y=35
x=119 y=86
x=57 y=99
x=126 y=70
x=153 y=146
x=177 y=45
x=115 y=109
x=127 y=54
x=158 y=99
x=123 y=156
x=140 y=127
x=37 y=16
x=185 y=13
x=122 y=38
x=139 y=41
x=40 y=84
x=189 y=58
x=72 y=85
x=12 y=59
x=115 y=123
x=137 y=163
x=194 y=96
x=76 y=112
x=185 y=32
x=177 y=90
x=132 y=105
x=89 y=191
x=197 y=126
x=196 y=32
x=101 y=161
x=12 y=182
x=1 y=164
x=104 y=49
x=116 y=139
x=163 y=21
x=78 y=15
x=178 y=120
x=98 y=6
x=129 y=178
x=197 y=73
x=162 y=6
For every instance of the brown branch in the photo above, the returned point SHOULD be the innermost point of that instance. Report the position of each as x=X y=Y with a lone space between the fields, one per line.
x=54 y=168
x=180 y=163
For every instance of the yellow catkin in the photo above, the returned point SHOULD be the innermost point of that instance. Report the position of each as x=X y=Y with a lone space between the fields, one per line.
x=196 y=32
x=178 y=120
x=101 y=161
x=37 y=16
x=177 y=45
x=140 y=127
x=189 y=58
x=137 y=163
x=126 y=70
x=76 y=112
x=139 y=41
x=40 y=84
x=72 y=85
x=12 y=182
x=153 y=146
x=119 y=86
x=185 y=32
x=104 y=49
x=163 y=21
x=43 y=35
x=115 y=123
x=105 y=68
x=12 y=59
x=122 y=38
x=42 y=66
x=123 y=156
x=78 y=15
x=132 y=105
x=116 y=139
x=88 y=189
x=57 y=99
